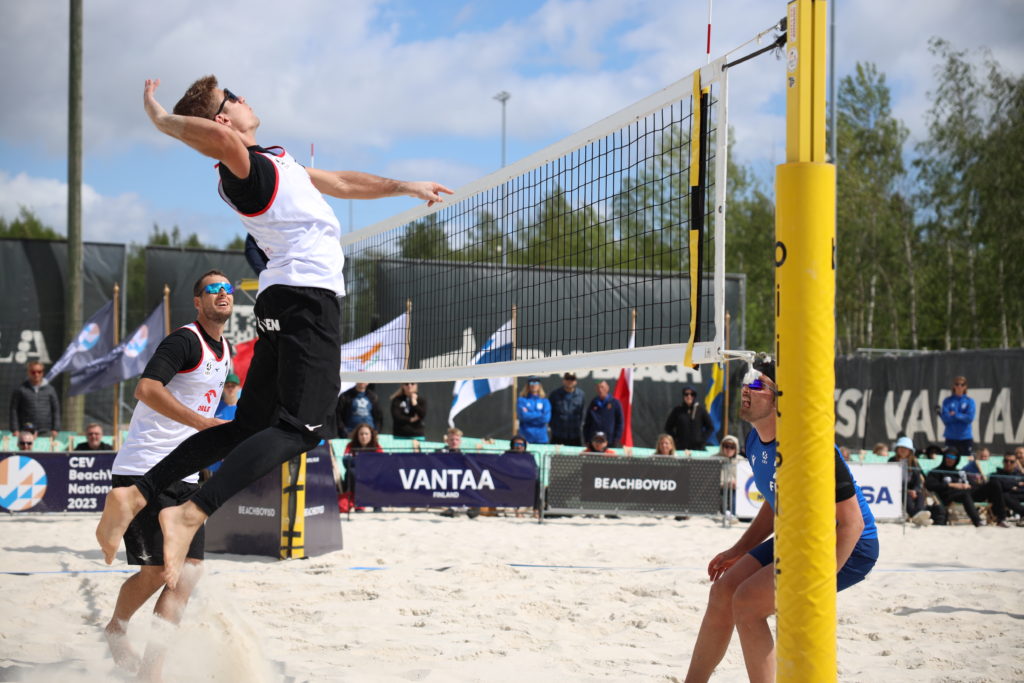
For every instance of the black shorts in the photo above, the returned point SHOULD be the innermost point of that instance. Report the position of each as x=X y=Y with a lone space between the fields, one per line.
x=144 y=541
x=295 y=371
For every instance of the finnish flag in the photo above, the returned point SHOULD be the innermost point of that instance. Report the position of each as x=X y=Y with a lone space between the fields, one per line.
x=496 y=349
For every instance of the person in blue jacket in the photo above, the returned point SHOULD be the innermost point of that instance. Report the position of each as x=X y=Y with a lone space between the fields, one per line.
x=743 y=577
x=604 y=414
x=957 y=414
x=534 y=411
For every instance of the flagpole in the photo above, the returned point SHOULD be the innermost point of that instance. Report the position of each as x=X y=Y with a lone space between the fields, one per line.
x=117 y=387
x=167 y=310
x=515 y=380
x=632 y=337
x=725 y=377
x=408 y=330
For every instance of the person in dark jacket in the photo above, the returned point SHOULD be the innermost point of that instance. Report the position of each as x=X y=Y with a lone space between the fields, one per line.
x=359 y=405
x=689 y=424
x=951 y=486
x=567 y=403
x=913 y=481
x=408 y=410
x=1010 y=478
x=35 y=401
x=604 y=415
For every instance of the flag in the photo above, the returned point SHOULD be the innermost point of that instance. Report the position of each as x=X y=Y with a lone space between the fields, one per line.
x=495 y=350
x=715 y=400
x=243 y=358
x=94 y=341
x=382 y=349
x=127 y=360
x=624 y=393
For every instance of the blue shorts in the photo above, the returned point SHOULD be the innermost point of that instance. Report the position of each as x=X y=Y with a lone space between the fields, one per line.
x=861 y=561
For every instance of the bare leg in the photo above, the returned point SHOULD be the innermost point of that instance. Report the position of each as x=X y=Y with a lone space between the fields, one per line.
x=169 y=607
x=133 y=594
x=716 y=628
x=179 y=524
x=752 y=604
x=123 y=503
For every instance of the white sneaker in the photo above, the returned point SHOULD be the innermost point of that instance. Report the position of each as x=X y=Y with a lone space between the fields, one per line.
x=922 y=518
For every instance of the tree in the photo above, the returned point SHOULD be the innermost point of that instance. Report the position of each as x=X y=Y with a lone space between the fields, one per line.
x=424 y=239
x=27 y=226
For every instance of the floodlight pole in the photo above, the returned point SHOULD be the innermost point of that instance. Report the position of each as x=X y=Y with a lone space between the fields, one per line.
x=503 y=97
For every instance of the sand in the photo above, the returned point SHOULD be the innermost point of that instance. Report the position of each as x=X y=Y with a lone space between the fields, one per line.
x=417 y=597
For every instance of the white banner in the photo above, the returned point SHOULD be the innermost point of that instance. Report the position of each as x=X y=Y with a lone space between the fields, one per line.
x=881 y=484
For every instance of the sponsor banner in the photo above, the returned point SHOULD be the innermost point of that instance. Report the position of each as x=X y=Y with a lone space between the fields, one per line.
x=880 y=483
x=671 y=485
x=445 y=479
x=55 y=482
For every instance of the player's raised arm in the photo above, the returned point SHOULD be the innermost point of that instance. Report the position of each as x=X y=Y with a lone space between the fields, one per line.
x=214 y=138
x=359 y=185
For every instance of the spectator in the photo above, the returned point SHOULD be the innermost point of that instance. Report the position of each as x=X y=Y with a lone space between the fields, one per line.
x=358 y=405
x=452 y=441
x=951 y=486
x=517 y=444
x=364 y=440
x=534 y=411
x=913 y=481
x=1010 y=478
x=957 y=414
x=567 y=412
x=35 y=401
x=665 y=445
x=604 y=415
x=26 y=437
x=598 y=445
x=229 y=398
x=689 y=424
x=728 y=451
x=94 y=439
x=975 y=474
x=881 y=450
x=408 y=410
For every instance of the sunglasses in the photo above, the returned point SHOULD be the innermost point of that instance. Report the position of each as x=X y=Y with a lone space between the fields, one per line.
x=218 y=287
x=729 y=446
x=689 y=393
x=759 y=385
x=25 y=444
x=228 y=95
x=518 y=444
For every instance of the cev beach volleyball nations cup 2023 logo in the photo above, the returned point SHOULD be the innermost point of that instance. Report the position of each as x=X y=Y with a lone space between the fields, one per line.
x=22 y=483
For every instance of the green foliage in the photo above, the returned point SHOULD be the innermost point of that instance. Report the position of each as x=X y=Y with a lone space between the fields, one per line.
x=236 y=244
x=425 y=239
x=27 y=226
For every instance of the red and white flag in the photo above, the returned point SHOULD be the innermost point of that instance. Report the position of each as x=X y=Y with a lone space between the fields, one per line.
x=624 y=393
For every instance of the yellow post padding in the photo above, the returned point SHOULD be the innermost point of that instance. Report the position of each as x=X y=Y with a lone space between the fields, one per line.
x=293 y=509
x=805 y=526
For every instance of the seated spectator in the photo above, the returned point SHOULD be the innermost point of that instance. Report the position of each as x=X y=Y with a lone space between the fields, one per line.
x=665 y=445
x=364 y=440
x=975 y=474
x=356 y=406
x=1010 y=478
x=94 y=439
x=517 y=444
x=913 y=481
x=229 y=398
x=27 y=437
x=881 y=450
x=951 y=486
x=598 y=445
x=845 y=452
x=534 y=412
x=452 y=441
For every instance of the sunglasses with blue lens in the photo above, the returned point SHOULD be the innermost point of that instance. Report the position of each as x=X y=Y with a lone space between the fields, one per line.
x=218 y=287
x=759 y=385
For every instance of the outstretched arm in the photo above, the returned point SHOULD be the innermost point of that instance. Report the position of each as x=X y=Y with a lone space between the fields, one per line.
x=210 y=138
x=359 y=185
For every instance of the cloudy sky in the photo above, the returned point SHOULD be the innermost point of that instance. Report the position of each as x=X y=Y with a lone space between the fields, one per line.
x=404 y=88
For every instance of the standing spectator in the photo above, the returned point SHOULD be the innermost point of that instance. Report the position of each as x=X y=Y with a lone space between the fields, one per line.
x=229 y=398
x=35 y=401
x=27 y=437
x=689 y=424
x=408 y=409
x=957 y=414
x=534 y=411
x=604 y=415
x=358 y=405
x=567 y=412
x=598 y=445
x=94 y=439
x=665 y=445
x=728 y=451
x=913 y=481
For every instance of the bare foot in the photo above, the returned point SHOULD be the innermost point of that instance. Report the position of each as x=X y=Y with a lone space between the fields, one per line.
x=179 y=524
x=123 y=503
x=120 y=649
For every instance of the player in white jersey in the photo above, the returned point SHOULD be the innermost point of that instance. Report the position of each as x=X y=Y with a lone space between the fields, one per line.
x=293 y=382
x=178 y=393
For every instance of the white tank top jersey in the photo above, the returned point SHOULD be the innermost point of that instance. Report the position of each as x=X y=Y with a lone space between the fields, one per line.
x=298 y=230
x=151 y=436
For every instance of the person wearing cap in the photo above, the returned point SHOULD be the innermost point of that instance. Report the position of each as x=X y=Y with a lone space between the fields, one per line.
x=689 y=423
x=913 y=481
x=598 y=445
x=950 y=485
x=567 y=412
x=604 y=415
x=229 y=398
x=534 y=412
x=957 y=414
x=742 y=593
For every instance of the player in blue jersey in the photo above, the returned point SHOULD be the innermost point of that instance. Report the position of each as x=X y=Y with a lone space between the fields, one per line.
x=742 y=577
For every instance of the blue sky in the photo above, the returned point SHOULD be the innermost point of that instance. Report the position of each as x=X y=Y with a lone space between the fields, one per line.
x=405 y=88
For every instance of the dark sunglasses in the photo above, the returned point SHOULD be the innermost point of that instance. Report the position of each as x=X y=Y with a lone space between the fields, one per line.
x=730 y=446
x=218 y=287
x=228 y=95
x=689 y=393
x=518 y=444
x=25 y=444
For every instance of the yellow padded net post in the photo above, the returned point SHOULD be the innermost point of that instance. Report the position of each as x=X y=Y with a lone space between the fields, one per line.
x=293 y=508
x=805 y=555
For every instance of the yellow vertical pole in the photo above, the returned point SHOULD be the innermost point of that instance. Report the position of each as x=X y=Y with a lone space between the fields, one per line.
x=293 y=508
x=805 y=552
x=117 y=387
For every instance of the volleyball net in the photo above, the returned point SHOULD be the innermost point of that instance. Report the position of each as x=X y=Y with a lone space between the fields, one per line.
x=605 y=249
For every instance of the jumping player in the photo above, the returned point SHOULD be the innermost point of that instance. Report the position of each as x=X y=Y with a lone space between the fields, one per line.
x=743 y=579
x=178 y=394
x=293 y=381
